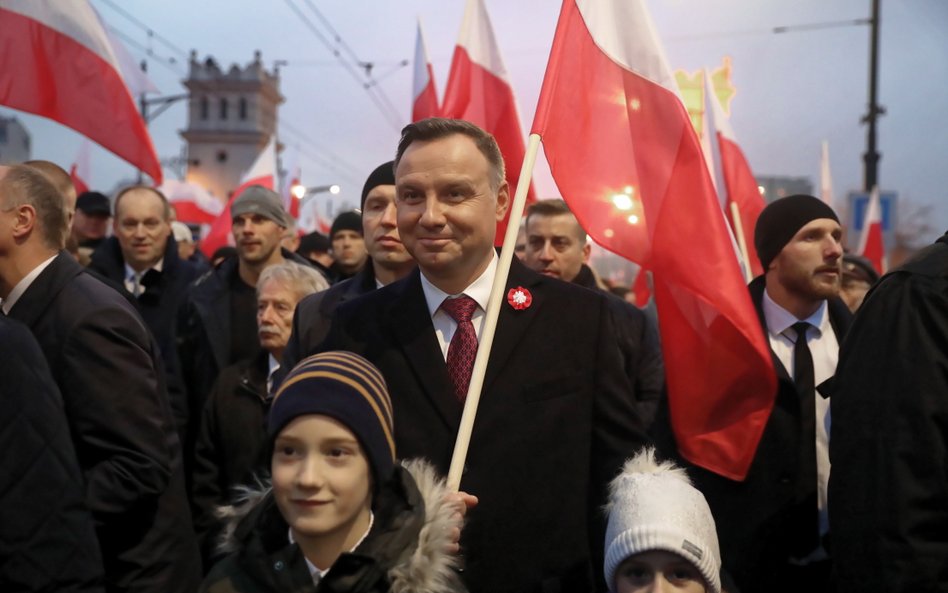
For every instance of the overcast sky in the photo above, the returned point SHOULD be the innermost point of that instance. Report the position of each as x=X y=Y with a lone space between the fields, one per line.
x=793 y=89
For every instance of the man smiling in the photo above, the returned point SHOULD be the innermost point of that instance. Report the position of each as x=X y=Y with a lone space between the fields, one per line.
x=557 y=414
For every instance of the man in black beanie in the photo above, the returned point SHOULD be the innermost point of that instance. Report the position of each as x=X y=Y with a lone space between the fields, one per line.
x=772 y=526
x=388 y=261
x=348 y=246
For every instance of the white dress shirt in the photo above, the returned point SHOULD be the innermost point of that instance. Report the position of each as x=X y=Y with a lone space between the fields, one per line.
x=22 y=285
x=444 y=324
x=824 y=347
x=133 y=279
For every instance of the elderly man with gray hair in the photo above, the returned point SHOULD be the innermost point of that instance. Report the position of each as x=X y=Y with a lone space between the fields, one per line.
x=233 y=423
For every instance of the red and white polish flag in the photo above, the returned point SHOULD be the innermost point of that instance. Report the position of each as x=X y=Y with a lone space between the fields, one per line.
x=424 y=93
x=740 y=186
x=81 y=170
x=871 y=244
x=626 y=158
x=191 y=202
x=56 y=61
x=480 y=92
x=261 y=172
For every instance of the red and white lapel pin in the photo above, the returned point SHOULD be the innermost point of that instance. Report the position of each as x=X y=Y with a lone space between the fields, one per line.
x=519 y=298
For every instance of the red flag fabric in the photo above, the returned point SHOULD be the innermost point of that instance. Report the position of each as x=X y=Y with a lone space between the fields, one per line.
x=640 y=288
x=80 y=172
x=424 y=93
x=56 y=61
x=871 y=245
x=262 y=172
x=626 y=158
x=740 y=186
x=479 y=91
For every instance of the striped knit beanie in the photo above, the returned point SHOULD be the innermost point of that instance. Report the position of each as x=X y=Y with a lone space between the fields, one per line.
x=347 y=388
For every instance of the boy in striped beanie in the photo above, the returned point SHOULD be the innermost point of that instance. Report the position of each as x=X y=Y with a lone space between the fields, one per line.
x=341 y=514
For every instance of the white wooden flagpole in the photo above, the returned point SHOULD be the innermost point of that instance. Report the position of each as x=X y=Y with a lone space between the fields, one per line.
x=463 y=440
x=741 y=242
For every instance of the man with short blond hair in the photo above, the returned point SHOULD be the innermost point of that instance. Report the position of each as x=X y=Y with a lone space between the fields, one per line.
x=108 y=368
x=556 y=417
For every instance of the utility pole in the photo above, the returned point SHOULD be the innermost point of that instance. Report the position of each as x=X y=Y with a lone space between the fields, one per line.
x=872 y=156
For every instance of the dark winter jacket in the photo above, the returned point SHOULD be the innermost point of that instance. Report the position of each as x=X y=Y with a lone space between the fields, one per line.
x=204 y=334
x=314 y=313
x=47 y=539
x=888 y=491
x=108 y=369
x=405 y=551
x=641 y=350
x=230 y=437
x=163 y=296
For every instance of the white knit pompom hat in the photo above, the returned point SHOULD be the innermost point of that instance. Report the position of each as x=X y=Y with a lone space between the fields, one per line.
x=653 y=506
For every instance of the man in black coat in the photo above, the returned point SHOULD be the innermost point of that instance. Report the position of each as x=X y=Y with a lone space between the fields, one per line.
x=107 y=366
x=217 y=325
x=556 y=417
x=48 y=540
x=388 y=261
x=142 y=258
x=888 y=493
x=772 y=525
x=556 y=246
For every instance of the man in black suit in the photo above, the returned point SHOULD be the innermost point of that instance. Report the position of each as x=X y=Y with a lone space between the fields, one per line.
x=106 y=364
x=772 y=526
x=557 y=417
x=141 y=256
x=388 y=261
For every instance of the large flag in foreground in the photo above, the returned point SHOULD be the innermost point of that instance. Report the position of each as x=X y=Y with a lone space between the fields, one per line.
x=56 y=61
x=424 y=93
x=740 y=186
x=479 y=91
x=626 y=158
x=871 y=245
x=261 y=172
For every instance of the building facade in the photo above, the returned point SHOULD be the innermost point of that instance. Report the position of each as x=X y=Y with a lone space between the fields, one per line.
x=232 y=115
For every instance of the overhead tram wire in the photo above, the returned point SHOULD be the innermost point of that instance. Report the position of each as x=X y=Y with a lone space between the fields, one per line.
x=376 y=95
x=372 y=81
x=334 y=162
x=151 y=32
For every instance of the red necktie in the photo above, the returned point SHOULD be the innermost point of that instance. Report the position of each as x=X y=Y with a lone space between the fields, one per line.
x=463 y=347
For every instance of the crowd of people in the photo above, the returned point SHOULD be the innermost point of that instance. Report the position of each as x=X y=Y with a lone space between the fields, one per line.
x=281 y=416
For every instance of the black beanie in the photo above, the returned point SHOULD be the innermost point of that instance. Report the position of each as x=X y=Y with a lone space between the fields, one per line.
x=384 y=174
x=347 y=388
x=781 y=220
x=347 y=221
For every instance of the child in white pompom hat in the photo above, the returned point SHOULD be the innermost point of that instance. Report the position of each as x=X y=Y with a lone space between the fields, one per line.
x=661 y=535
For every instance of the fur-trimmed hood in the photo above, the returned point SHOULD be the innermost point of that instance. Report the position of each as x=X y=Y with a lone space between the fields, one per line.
x=408 y=541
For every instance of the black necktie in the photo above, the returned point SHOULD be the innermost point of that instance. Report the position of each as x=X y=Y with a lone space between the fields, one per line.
x=808 y=529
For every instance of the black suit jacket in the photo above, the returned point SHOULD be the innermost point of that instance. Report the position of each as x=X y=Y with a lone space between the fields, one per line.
x=556 y=420
x=106 y=364
x=755 y=518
